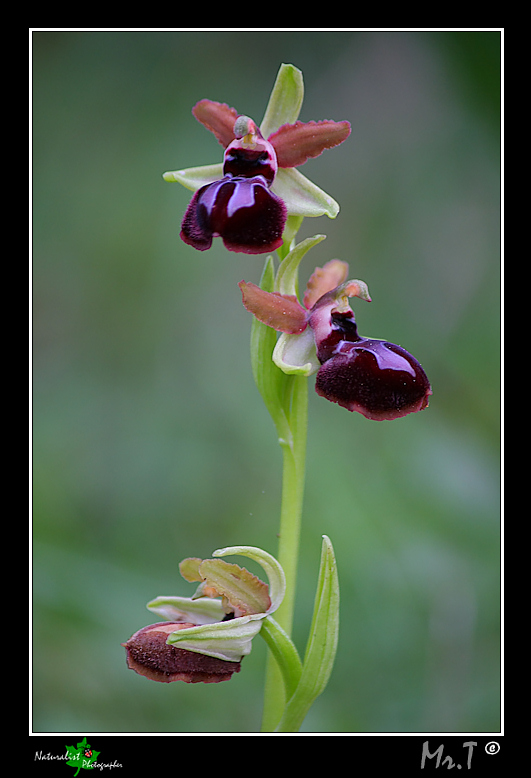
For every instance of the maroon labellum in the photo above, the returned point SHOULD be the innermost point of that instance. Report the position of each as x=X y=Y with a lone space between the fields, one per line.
x=149 y=654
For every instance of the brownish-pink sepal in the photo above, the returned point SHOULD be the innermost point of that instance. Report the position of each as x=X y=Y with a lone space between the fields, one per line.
x=282 y=312
x=296 y=143
x=219 y=118
x=323 y=280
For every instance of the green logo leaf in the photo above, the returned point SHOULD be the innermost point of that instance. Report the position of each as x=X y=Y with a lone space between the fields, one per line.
x=82 y=756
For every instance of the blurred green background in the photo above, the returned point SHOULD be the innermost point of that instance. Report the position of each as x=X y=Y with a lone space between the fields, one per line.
x=150 y=440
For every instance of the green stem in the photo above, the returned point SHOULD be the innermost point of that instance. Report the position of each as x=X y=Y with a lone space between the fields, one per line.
x=294 y=462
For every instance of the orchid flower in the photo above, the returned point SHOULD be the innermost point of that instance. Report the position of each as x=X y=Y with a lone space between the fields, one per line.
x=206 y=636
x=248 y=198
x=378 y=379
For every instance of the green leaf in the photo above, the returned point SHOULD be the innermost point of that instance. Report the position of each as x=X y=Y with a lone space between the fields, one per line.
x=285 y=101
x=272 y=383
x=321 y=646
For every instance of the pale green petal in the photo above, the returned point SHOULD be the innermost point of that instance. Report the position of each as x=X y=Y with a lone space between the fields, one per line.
x=296 y=354
x=202 y=611
x=274 y=572
x=228 y=640
x=302 y=196
x=285 y=101
x=195 y=177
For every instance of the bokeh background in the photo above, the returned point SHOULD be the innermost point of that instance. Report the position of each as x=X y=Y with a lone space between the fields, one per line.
x=150 y=440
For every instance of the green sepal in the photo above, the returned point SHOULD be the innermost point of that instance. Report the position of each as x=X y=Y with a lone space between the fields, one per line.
x=195 y=177
x=285 y=101
x=302 y=196
x=268 y=563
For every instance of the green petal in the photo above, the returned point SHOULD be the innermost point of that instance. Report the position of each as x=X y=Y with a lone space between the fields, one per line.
x=195 y=177
x=285 y=101
x=273 y=570
x=302 y=196
x=203 y=611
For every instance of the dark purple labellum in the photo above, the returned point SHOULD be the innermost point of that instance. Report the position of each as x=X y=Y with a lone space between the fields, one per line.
x=378 y=379
x=242 y=211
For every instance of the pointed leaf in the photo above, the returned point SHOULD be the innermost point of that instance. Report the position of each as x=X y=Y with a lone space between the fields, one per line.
x=321 y=646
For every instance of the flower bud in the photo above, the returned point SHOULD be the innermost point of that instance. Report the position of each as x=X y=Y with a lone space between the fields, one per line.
x=150 y=655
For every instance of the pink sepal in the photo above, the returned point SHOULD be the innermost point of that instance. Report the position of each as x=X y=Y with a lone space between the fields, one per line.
x=296 y=143
x=282 y=312
x=219 y=118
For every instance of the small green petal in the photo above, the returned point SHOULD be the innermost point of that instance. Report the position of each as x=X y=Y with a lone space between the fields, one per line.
x=285 y=101
x=302 y=196
x=195 y=177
